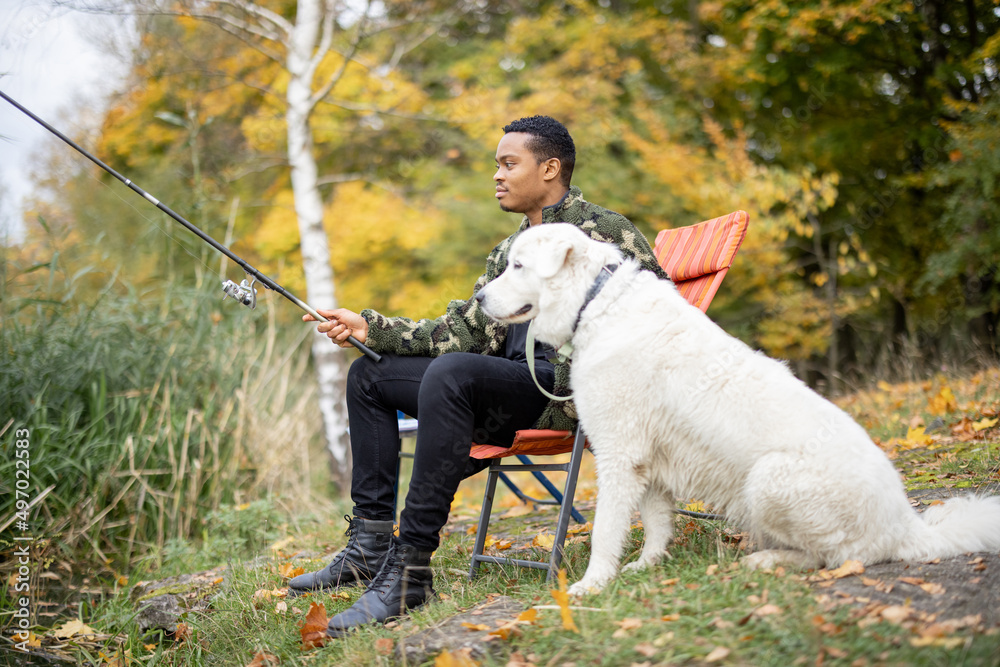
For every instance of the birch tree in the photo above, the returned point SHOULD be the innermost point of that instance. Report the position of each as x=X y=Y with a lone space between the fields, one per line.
x=304 y=43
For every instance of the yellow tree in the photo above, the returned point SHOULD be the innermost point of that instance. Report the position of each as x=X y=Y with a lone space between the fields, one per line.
x=316 y=49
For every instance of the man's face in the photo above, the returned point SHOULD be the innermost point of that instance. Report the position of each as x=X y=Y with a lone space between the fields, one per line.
x=520 y=182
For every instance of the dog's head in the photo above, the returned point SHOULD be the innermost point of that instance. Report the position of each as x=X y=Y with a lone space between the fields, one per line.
x=549 y=270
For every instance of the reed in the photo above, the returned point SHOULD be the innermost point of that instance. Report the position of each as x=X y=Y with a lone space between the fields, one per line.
x=148 y=409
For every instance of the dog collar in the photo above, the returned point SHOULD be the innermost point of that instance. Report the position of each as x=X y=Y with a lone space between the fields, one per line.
x=607 y=271
x=566 y=350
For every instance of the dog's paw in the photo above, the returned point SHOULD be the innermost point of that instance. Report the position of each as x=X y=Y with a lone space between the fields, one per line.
x=771 y=558
x=587 y=586
x=760 y=560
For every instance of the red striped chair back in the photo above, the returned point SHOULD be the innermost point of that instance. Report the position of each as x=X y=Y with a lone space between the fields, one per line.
x=698 y=257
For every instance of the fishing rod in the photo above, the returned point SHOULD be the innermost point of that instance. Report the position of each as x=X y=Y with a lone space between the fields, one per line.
x=244 y=292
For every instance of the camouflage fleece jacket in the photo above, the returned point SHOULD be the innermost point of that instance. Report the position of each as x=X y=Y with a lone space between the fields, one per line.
x=465 y=328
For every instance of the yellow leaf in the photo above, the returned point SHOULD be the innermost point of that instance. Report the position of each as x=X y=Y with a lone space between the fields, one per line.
x=917 y=437
x=984 y=424
x=562 y=599
x=476 y=627
x=695 y=506
x=943 y=402
x=717 y=653
x=71 y=628
x=460 y=658
x=528 y=615
x=850 y=567
x=883 y=385
x=944 y=642
x=149 y=647
x=281 y=544
x=544 y=541
x=519 y=510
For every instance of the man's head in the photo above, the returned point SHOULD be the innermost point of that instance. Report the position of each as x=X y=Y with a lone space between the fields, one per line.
x=535 y=160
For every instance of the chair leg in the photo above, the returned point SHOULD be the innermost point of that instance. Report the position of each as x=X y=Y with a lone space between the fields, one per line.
x=566 y=508
x=484 y=520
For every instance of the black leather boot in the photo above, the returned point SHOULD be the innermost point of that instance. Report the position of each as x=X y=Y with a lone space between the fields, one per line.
x=357 y=563
x=404 y=582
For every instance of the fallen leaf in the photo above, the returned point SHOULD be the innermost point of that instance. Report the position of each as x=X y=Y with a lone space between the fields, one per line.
x=71 y=628
x=150 y=647
x=281 y=544
x=263 y=659
x=984 y=424
x=670 y=617
x=518 y=660
x=460 y=658
x=517 y=510
x=712 y=569
x=313 y=629
x=716 y=654
x=544 y=540
x=944 y=642
x=287 y=570
x=695 y=506
x=943 y=402
x=384 y=646
x=767 y=610
x=281 y=607
x=916 y=437
x=932 y=588
x=562 y=599
x=264 y=595
x=528 y=616
x=477 y=627
x=646 y=649
x=625 y=625
x=896 y=613
x=849 y=568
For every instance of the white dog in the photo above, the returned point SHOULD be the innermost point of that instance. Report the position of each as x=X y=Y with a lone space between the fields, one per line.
x=674 y=407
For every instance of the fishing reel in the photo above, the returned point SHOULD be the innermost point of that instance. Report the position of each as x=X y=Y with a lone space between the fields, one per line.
x=243 y=293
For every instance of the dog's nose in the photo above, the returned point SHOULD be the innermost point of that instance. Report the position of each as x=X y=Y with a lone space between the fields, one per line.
x=480 y=296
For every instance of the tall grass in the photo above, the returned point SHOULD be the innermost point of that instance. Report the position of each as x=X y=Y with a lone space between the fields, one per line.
x=147 y=409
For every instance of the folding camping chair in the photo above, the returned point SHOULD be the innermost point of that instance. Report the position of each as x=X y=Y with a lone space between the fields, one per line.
x=696 y=258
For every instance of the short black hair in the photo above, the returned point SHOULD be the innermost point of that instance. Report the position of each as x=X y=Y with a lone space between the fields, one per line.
x=549 y=139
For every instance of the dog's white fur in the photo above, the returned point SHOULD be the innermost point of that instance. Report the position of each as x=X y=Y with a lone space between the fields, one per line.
x=676 y=408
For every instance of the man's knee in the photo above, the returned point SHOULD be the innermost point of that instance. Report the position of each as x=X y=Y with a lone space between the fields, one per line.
x=446 y=374
x=359 y=376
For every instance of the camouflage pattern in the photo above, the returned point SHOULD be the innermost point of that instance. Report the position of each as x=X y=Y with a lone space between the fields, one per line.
x=465 y=328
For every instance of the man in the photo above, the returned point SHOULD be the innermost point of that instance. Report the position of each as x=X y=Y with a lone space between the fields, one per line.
x=463 y=376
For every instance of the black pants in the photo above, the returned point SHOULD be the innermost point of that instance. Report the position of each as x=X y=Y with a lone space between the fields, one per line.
x=458 y=398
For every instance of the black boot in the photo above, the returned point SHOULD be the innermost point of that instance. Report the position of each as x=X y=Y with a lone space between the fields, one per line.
x=357 y=563
x=404 y=582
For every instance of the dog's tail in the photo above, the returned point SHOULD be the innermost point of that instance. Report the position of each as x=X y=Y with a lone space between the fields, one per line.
x=959 y=525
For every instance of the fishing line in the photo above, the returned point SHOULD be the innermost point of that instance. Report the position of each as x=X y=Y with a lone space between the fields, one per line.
x=244 y=292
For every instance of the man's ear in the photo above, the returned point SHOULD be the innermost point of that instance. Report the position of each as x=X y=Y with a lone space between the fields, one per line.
x=553 y=167
x=553 y=258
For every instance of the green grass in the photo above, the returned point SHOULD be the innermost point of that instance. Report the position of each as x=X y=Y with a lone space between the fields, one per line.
x=174 y=438
x=711 y=605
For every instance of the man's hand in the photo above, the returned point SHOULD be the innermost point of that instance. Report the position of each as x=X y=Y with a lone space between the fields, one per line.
x=341 y=324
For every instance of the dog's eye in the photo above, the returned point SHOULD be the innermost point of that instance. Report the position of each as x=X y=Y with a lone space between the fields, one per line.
x=516 y=265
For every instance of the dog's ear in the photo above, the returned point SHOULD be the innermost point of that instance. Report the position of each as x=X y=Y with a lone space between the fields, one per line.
x=553 y=257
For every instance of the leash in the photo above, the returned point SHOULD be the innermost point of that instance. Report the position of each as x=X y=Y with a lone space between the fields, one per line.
x=564 y=353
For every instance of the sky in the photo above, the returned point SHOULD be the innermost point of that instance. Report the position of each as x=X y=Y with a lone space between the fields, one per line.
x=55 y=63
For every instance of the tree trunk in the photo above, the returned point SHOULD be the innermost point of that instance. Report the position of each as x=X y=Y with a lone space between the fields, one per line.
x=329 y=360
